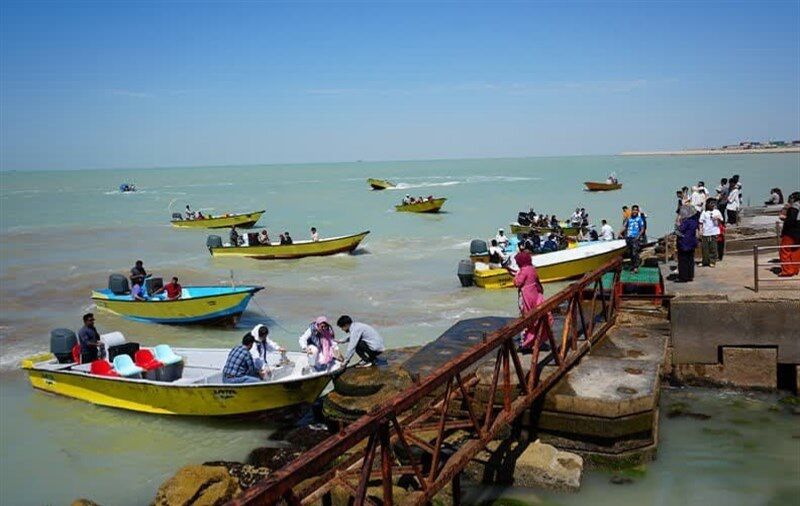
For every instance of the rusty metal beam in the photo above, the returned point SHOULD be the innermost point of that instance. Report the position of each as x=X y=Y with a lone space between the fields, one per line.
x=281 y=482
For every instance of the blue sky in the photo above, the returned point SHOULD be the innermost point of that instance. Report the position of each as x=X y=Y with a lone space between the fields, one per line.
x=138 y=84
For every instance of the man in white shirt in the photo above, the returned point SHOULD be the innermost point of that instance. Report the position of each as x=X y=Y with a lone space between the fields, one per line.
x=576 y=219
x=362 y=340
x=710 y=220
x=502 y=239
x=606 y=232
x=698 y=198
x=314 y=235
x=497 y=256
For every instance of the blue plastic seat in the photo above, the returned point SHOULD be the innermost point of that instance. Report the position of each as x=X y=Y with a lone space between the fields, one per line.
x=124 y=366
x=166 y=356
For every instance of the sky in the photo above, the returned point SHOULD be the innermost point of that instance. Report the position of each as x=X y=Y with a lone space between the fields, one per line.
x=142 y=84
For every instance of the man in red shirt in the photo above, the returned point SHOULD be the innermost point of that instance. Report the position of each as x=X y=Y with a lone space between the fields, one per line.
x=173 y=289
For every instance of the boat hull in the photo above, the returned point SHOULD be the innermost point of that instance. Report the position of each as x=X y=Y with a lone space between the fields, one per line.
x=172 y=399
x=221 y=308
x=429 y=206
x=236 y=220
x=601 y=187
x=380 y=184
x=516 y=228
x=569 y=269
x=302 y=249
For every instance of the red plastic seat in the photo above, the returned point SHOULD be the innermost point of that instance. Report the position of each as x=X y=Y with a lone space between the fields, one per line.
x=102 y=368
x=144 y=358
x=76 y=353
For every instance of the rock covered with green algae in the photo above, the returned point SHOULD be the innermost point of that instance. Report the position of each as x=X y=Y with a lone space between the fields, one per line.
x=83 y=502
x=359 y=390
x=198 y=486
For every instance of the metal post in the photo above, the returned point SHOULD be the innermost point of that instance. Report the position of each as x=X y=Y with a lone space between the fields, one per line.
x=755 y=268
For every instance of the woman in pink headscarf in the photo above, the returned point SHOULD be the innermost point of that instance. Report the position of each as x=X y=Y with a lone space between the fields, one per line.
x=317 y=341
x=530 y=296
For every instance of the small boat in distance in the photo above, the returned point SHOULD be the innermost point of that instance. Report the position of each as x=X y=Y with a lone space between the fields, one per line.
x=242 y=220
x=163 y=381
x=380 y=184
x=127 y=188
x=424 y=206
x=197 y=304
x=601 y=187
x=298 y=249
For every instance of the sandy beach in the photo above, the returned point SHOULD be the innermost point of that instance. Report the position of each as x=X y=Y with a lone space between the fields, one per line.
x=714 y=151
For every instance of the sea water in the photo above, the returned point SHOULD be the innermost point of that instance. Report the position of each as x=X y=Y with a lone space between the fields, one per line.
x=64 y=232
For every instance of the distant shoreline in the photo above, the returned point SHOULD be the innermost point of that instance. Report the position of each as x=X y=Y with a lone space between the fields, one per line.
x=712 y=151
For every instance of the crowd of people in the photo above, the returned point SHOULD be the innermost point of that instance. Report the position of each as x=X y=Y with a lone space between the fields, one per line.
x=408 y=199
x=238 y=239
x=252 y=360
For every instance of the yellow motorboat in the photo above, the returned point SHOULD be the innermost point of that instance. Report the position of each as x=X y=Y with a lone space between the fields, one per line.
x=197 y=304
x=426 y=206
x=196 y=388
x=380 y=184
x=556 y=266
x=298 y=249
x=243 y=220
x=567 y=229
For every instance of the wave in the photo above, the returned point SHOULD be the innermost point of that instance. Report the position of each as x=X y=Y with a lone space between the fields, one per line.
x=406 y=186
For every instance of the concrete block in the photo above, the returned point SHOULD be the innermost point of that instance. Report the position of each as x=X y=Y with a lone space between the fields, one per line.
x=606 y=387
x=700 y=327
x=542 y=465
x=740 y=367
x=593 y=426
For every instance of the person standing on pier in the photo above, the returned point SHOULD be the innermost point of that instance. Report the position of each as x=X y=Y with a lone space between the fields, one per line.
x=790 y=238
x=709 y=221
x=634 y=226
x=686 y=243
x=722 y=196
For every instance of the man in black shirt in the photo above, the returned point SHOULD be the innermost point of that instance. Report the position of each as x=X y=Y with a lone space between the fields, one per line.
x=138 y=273
x=89 y=339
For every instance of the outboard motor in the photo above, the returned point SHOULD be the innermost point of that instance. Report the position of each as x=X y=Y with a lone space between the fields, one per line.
x=118 y=284
x=61 y=343
x=213 y=241
x=177 y=216
x=523 y=219
x=466 y=271
x=478 y=247
x=152 y=284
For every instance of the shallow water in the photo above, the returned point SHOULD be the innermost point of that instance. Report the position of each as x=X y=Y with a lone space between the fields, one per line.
x=747 y=453
x=63 y=233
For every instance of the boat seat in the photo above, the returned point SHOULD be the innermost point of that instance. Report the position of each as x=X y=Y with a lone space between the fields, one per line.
x=124 y=366
x=144 y=358
x=166 y=356
x=102 y=368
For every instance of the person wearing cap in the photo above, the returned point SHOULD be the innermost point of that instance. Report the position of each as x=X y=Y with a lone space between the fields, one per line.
x=363 y=340
x=262 y=347
x=501 y=238
x=317 y=342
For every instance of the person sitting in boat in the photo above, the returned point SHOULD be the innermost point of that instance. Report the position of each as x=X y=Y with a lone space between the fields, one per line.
x=576 y=219
x=531 y=243
x=606 y=231
x=235 y=239
x=362 y=340
x=138 y=273
x=282 y=239
x=240 y=366
x=554 y=222
x=89 y=339
x=593 y=235
x=173 y=289
x=550 y=244
x=314 y=234
x=137 y=292
x=262 y=347
x=775 y=197
x=584 y=218
x=263 y=237
x=288 y=238
x=189 y=213
x=497 y=256
x=612 y=178
x=407 y=200
x=318 y=343
x=501 y=238
x=430 y=198
x=198 y=215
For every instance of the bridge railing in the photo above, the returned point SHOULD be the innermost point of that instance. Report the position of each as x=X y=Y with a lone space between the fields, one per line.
x=757 y=279
x=347 y=460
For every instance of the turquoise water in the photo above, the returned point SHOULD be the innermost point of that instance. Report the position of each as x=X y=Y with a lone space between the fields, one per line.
x=63 y=233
